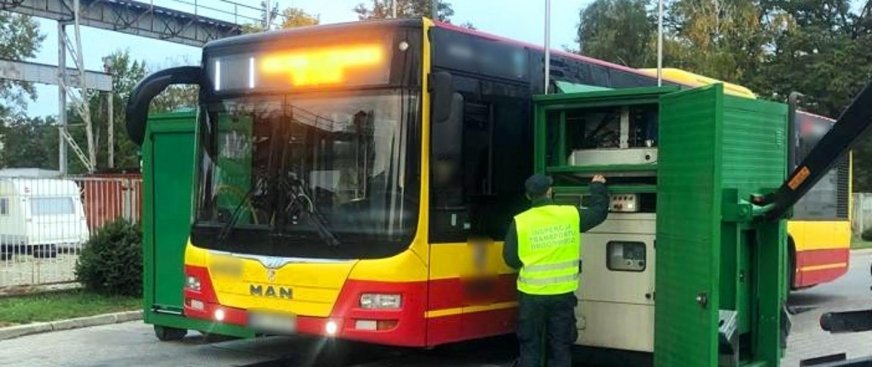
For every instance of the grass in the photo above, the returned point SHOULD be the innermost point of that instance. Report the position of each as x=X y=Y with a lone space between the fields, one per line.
x=61 y=305
x=860 y=244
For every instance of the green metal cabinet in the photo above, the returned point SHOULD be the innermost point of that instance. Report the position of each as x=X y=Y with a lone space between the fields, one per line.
x=716 y=256
x=168 y=173
x=715 y=151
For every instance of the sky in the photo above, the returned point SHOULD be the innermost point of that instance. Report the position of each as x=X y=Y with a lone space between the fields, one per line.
x=517 y=19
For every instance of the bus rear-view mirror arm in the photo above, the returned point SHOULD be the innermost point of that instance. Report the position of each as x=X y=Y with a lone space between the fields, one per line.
x=446 y=130
x=137 y=106
x=441 y=93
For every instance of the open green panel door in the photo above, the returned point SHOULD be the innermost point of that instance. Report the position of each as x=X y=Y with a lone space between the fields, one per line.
x=688 y=228
x=172 y=162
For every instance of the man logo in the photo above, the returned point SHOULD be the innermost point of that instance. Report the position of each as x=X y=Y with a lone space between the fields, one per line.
x=270 y=291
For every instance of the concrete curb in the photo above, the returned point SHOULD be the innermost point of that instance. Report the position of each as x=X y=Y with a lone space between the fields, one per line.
x=76 y=323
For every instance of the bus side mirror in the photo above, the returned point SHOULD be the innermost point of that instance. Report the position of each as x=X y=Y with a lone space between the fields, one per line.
x=442 y=94
x=446 y=130
x=148 y=88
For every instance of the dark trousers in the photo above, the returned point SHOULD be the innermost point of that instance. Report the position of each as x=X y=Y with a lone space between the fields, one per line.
x=546 y=329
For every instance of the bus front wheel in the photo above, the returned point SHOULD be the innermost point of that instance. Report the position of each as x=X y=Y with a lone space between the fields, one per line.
x=166 y=333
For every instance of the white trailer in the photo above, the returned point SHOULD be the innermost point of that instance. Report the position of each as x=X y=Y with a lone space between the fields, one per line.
x=40 y=215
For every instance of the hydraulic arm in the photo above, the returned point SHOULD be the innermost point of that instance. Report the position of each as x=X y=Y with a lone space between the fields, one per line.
x=851 y=126
x=854 y=123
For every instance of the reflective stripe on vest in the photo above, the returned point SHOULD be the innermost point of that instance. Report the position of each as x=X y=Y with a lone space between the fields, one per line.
x=549 y=246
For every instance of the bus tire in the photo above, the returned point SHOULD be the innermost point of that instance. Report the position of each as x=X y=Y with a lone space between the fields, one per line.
x=167 y=334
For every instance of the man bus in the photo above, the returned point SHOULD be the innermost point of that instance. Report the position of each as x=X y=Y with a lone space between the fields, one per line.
x=356 y=180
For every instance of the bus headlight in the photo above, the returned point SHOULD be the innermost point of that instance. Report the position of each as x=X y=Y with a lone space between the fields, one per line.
x=381 y=301
x=192 y=283
x=331 y=328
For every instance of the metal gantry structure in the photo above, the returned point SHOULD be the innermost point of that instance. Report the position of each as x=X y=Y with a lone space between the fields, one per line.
x=130 y=17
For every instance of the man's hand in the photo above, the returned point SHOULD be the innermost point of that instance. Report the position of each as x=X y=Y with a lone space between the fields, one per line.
x=598 y=179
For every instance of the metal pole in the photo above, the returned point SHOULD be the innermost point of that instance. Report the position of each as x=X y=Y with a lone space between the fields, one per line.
x=394 y=8
x=659 y=43
x=110 y=96
x=62 y=98
x=266 y=21
x=434 y=9
x=84 y=108
x=547 y=44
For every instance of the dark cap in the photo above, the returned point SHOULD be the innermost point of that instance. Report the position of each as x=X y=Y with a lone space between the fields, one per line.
x=537 y=185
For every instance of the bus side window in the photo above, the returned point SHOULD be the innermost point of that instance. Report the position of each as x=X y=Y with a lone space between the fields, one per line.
x=455 y=207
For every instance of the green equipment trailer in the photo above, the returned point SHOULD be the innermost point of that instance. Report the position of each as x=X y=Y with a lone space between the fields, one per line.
x=688 y=269
x=168 y=171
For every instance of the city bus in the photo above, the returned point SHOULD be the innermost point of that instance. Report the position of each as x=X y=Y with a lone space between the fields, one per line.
x=356 y=180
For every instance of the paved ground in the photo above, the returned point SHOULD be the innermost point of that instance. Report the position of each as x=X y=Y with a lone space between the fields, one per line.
x=134 y=343
x=851 y=292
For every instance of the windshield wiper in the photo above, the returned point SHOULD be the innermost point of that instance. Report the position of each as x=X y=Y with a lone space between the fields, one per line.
x=234 y=216
x=298 y=193
x=321 y=226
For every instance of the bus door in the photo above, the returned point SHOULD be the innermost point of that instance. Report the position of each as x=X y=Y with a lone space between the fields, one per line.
x=471 y=208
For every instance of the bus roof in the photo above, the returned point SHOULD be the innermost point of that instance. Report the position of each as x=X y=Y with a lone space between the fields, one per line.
x=537 y=47
x=695 y=80
x=675 y=76
x=671 y=75
x=278 y=35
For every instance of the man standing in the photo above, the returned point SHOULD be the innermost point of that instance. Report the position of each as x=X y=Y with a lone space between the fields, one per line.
x=544 y=242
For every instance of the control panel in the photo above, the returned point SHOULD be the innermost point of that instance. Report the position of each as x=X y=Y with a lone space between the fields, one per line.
x=624 y=203
x=626 y=256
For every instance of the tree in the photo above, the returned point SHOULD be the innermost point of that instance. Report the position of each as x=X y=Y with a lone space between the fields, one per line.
x=720 y=39
x=19 y=39
x=29 y=142
x=823 y=49
x=296 y=17
x=293 y=18
x=383 y=9
x=26 y=142
x=607 y=23
x=127 y=72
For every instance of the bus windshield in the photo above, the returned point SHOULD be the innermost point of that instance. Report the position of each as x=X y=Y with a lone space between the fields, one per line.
x=282 y=173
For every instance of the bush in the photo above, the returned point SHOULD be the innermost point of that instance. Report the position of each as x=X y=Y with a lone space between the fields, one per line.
x=867 y=234
x=111 y=261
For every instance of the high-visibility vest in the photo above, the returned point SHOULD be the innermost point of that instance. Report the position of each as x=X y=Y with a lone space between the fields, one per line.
x=549 y=246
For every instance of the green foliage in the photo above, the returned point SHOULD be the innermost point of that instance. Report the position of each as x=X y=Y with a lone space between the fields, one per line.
x=291 y=17
x=606 y=23
x=19 y=39
x=722 y=39
x=111 y=261
x=296 y=17
x=867 y=234
x=127 y=72
x=61 y=305
x=29 y=142
x=383 y=9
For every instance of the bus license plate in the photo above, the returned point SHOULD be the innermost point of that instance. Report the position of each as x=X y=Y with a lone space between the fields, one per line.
x=272 y=322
